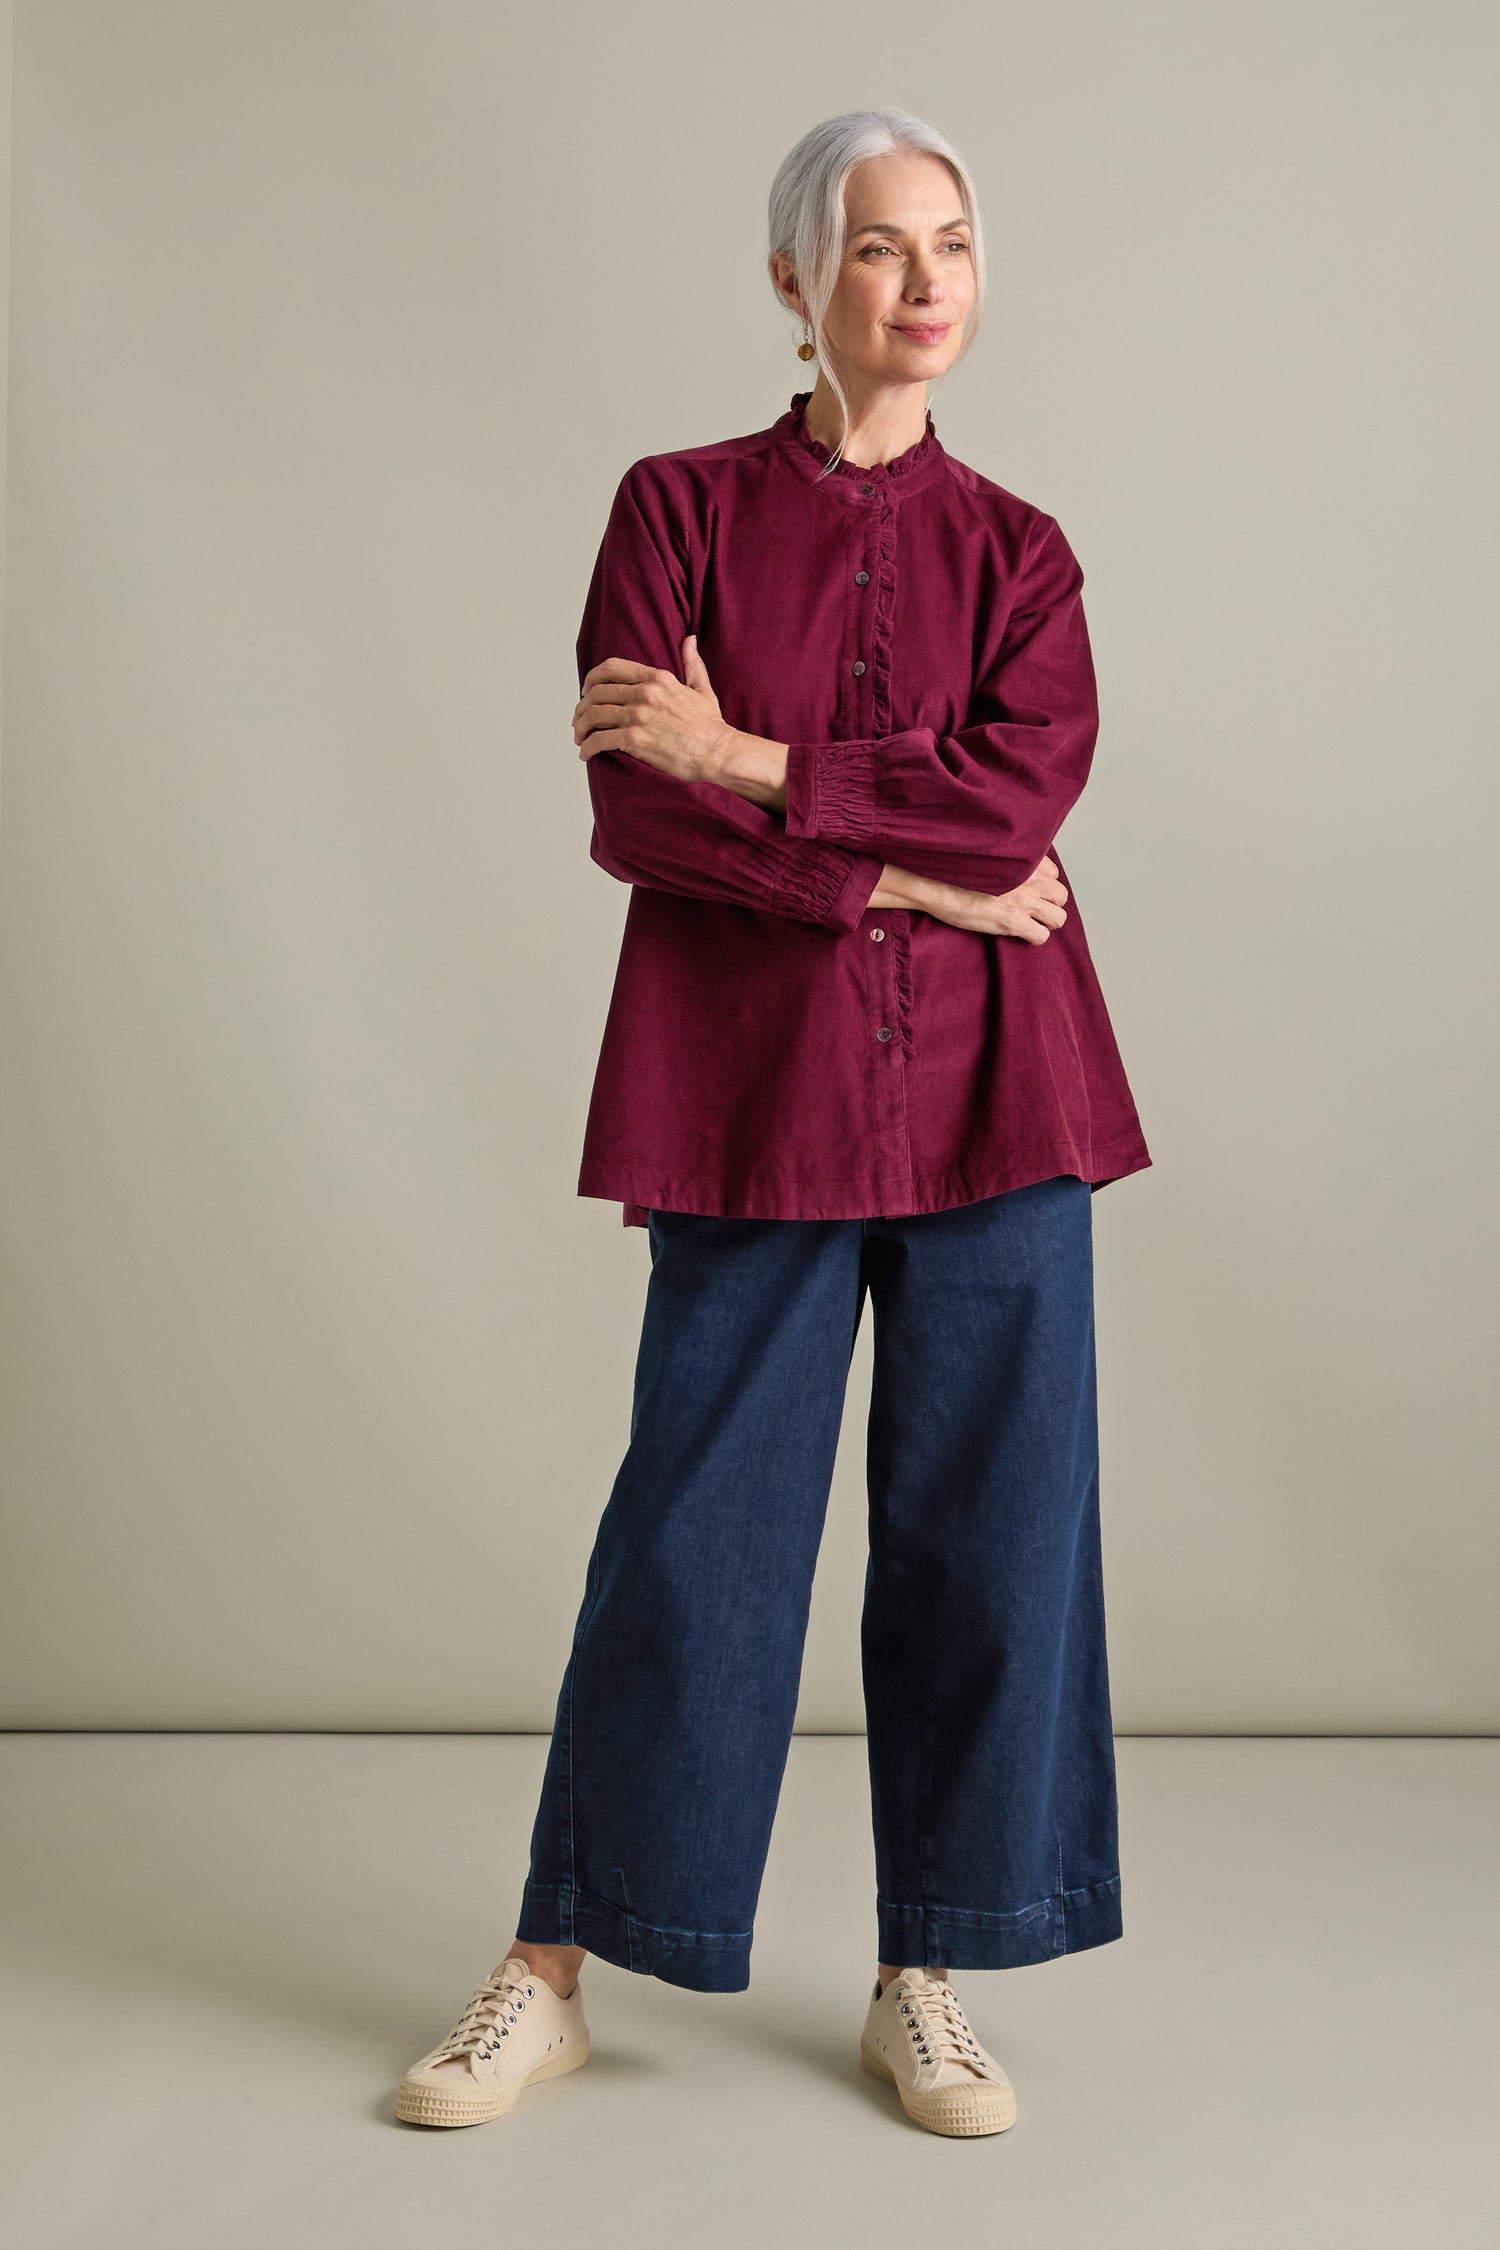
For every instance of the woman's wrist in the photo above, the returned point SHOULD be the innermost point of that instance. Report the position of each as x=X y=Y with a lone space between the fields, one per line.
x=899 y=888
x=752 y=766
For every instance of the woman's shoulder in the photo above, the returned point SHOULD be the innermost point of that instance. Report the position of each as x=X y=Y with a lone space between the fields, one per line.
x=685 y=464
x=678 y=493
x=1024 y=531
x=989 y=497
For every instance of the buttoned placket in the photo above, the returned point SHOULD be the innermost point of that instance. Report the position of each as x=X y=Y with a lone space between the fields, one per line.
x=875 y=516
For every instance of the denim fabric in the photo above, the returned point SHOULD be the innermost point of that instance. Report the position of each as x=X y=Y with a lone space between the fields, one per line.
x=990 y=1748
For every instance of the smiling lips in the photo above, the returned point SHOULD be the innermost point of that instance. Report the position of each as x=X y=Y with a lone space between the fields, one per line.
x=923 y=332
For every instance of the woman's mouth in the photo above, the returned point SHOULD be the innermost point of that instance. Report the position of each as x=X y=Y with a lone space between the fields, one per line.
x=924 y=331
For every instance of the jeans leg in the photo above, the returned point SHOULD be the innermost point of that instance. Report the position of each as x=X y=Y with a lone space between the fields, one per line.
x=676 y=1708
x=986 y=1683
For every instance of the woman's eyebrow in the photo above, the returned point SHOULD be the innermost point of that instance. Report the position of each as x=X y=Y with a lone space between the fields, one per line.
x=883 y=226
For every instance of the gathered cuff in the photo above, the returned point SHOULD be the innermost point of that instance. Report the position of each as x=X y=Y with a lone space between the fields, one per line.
x=832 y=885
x=831 y=791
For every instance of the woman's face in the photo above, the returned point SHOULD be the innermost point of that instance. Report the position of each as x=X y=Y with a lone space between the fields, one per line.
x=906 y=281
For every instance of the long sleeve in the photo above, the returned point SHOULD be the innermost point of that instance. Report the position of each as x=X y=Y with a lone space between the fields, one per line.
x=654 y=829
x=825 y=1061
x=979 y=807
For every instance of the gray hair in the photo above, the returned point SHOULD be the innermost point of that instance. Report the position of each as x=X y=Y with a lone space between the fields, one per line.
x=808 y=223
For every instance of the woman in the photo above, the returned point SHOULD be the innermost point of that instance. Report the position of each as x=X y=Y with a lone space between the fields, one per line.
x=855 y=1042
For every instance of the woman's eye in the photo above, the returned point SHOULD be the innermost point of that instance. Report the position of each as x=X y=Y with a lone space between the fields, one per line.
x=872 y=248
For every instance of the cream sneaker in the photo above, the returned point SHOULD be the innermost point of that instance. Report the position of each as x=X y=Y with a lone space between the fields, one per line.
x=917 y=2035
x=514 y=2031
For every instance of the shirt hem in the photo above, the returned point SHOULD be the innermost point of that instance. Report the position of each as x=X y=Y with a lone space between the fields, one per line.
x=1101 y=1163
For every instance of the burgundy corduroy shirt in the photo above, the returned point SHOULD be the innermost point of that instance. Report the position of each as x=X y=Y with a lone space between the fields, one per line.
x=774 y=1047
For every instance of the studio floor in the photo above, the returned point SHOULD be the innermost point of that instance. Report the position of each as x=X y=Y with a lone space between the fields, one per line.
x=221 y=1950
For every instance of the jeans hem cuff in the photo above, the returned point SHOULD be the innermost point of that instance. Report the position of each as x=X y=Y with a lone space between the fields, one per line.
x=952 y=1937
x=699 y=1960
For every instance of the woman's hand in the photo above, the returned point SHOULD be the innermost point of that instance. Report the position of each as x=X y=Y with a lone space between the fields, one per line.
x=668 y=723
x=677 y=726
x=1031 y=912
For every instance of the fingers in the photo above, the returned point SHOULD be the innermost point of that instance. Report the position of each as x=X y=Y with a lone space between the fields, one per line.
x=586 y=727
x=621 y=668
x=609 y=686
x=610 y=704
x=1032 y=932
x=1035 y=917
x=694 y=670
x=614 y=695
x=596 y=711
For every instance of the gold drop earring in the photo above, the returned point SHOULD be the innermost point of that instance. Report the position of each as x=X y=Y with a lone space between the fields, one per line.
x=807 y=349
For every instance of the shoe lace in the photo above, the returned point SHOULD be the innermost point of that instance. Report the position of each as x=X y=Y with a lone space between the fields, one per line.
x=489 y=2017
x=942 y=2023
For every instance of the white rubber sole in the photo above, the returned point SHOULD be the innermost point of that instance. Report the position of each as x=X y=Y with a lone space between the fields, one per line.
x=425 y=2101
x=952 y=2110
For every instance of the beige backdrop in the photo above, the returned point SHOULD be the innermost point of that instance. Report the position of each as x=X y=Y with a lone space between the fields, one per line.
x=332 y=325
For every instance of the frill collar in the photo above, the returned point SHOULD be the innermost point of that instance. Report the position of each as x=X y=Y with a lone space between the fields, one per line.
x=906 y=472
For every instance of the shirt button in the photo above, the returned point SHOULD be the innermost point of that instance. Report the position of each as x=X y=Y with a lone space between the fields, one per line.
x=861 y=578
x=877 y=935
x=858 y=665
x=867 y=489
x=884 y=1032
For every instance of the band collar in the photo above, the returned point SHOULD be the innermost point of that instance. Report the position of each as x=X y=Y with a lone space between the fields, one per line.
x=905 y=474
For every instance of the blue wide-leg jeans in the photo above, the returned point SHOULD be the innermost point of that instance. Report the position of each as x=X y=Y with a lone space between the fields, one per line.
x=986 y=1688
